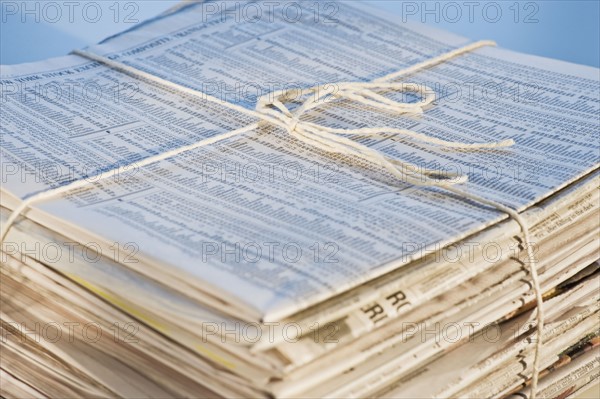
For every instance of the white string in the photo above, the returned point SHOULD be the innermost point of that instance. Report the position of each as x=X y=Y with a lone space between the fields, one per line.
x=271 y=108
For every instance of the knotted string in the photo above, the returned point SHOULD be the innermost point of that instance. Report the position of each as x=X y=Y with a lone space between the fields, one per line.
x=332 y=139
x=271 y=108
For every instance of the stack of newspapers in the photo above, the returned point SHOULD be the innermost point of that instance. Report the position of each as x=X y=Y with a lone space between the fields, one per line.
x=263 y=266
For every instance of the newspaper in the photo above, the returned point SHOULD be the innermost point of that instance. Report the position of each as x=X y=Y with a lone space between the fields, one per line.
x=554 y=376
x=172 y=313
x=576 y=375
x=494 y=349
x=215 y=253
x=378 y=359
x=398 y=293
x=357 y=224
x=79 y=330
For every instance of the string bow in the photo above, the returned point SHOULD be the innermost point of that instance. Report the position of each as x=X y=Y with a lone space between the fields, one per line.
x=334 y=140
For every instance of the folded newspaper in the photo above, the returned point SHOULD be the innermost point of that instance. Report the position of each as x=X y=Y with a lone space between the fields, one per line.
x=261 y=266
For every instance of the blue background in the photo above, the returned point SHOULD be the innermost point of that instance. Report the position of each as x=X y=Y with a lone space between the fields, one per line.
x=567 y=30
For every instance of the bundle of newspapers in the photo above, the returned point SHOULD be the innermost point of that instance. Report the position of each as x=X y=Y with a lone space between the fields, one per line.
x=263 y=266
